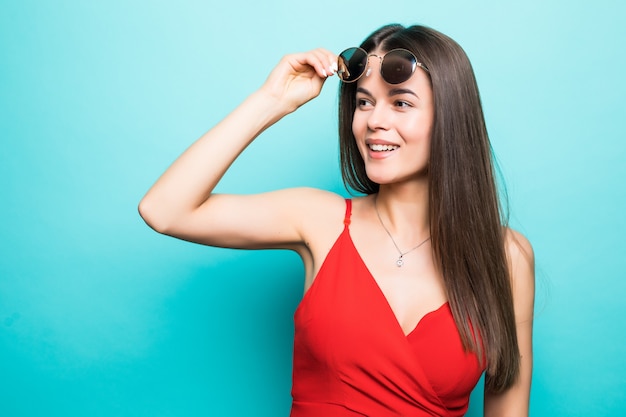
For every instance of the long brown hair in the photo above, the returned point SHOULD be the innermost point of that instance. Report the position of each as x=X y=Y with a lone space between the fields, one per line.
x=467 y=221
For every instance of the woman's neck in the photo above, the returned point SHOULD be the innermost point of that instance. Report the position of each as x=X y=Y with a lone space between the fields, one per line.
x=405 y=210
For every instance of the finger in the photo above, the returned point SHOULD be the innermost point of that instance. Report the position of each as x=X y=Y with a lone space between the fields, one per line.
x=327 y=60
x=321 y=60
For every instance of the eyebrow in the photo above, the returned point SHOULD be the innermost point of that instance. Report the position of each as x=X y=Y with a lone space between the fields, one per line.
x=392 y=92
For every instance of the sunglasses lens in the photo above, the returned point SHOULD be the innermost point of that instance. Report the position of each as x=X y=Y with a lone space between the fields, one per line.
x=398 y=66
x=351 y=64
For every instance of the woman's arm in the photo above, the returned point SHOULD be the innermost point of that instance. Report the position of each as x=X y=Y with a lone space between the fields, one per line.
x=181 y=203
x=515 y=401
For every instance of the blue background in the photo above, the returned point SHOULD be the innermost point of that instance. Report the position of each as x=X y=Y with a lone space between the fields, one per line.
x=100 y=316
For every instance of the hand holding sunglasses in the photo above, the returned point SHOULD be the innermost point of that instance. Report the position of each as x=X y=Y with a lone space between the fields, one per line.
x=299 y=77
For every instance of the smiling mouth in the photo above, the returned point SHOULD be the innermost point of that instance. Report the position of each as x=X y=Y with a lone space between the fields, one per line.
x=383 y=148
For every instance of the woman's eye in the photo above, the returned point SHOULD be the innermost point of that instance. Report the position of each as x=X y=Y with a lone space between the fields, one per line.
x=361 y=102
x=402 y=104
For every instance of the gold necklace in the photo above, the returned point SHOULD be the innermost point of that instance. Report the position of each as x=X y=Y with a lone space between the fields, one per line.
x=400 y=260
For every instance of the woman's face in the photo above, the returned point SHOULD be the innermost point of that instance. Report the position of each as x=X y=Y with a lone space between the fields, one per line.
x=392 y=125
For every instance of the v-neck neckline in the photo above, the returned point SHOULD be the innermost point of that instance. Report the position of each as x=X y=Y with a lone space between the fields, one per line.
x=383 y=297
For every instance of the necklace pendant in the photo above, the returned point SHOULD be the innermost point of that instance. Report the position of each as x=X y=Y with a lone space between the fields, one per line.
x=400 y=262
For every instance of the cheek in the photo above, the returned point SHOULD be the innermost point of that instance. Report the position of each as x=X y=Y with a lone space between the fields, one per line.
x=356 y=133
x=357 y=125
x=359 y=131
x=417 y=130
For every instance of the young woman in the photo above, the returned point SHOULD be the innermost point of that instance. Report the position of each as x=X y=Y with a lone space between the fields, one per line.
x=412 y=290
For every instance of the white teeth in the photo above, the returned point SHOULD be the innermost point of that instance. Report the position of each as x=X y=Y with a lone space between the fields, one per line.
x=382 y=148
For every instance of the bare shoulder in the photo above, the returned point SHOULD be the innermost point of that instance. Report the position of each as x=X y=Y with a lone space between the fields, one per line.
x=521 y=260
x=517 y=242
x=307 y=204
x=519 y=250
x=314 y=199
x=309 y=210
x=317 y=209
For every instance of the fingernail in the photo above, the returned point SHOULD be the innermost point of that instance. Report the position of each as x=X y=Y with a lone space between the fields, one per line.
x=334 y=67
x=324 y=72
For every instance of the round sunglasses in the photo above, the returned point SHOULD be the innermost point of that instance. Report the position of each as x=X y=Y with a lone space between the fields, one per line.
x=396 y=66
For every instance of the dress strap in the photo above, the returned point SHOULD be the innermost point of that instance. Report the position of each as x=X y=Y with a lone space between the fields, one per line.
x=346 y=219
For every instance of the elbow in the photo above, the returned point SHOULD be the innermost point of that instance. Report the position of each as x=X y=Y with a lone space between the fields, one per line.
x=152 y=216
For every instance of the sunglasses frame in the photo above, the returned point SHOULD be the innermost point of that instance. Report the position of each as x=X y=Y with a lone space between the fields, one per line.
x=343 y=68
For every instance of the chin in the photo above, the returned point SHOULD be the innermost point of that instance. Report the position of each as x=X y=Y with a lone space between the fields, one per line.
x=383 y=180
x=379 y=177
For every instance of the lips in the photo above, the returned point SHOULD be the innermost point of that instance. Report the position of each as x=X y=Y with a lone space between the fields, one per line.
x=380 y=149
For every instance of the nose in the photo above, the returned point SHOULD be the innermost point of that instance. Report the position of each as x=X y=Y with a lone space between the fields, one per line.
x=379 y=118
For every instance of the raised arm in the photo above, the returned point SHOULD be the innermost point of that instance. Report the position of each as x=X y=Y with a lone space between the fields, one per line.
x=514 y=402
x=181 y=203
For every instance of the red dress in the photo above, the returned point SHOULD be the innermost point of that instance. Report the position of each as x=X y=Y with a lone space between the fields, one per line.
x=351 y=357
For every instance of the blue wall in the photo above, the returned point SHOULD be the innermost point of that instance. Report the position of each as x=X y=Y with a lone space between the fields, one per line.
x=100 y=316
